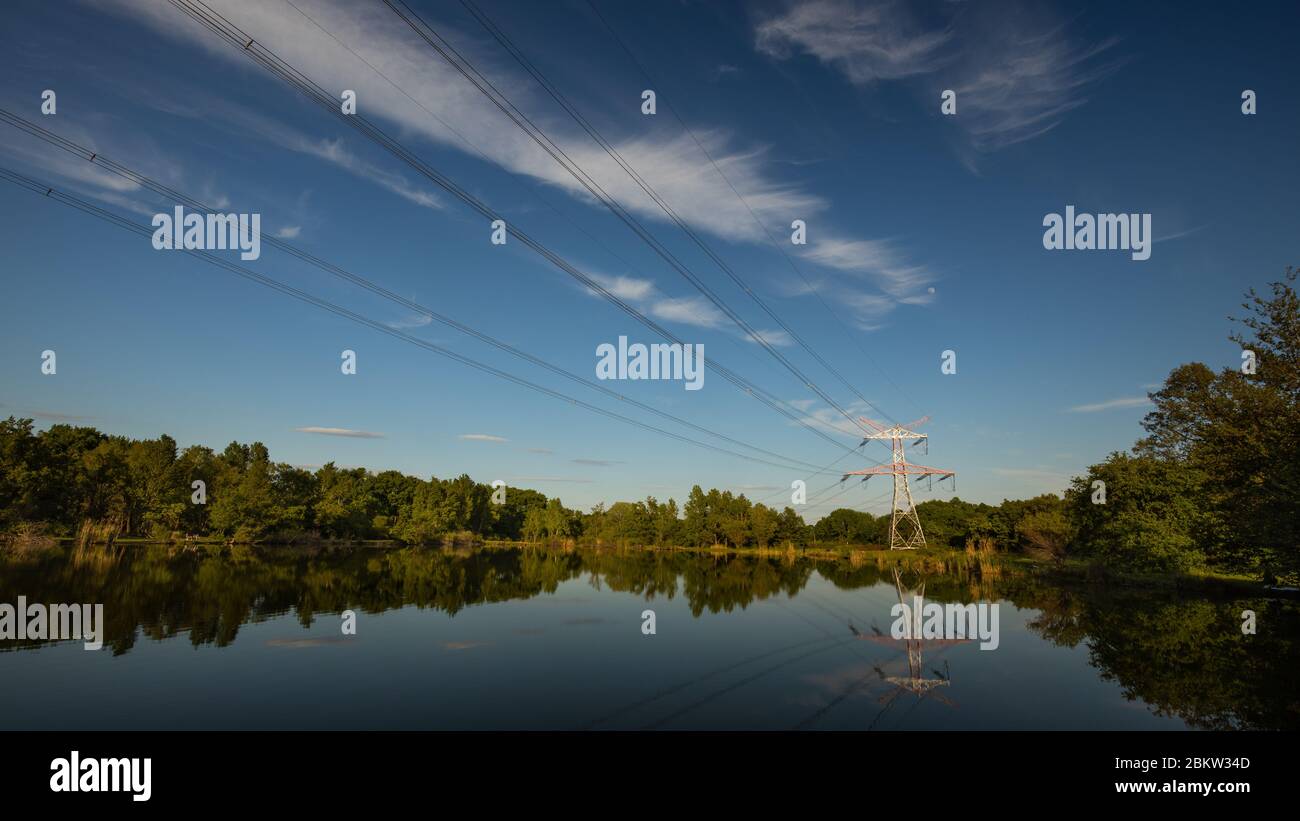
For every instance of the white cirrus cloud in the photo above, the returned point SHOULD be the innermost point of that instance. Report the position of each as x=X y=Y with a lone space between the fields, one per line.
x=412 y=321
x=683 y=173
x=865 y=41
x=346 y=432
x=693 y=311
x=481 y=437
x=1111 y=404
x=1023 y=78
x=1016 y=69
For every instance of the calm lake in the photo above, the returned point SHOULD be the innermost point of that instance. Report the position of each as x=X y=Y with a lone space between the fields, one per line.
x=509 y=638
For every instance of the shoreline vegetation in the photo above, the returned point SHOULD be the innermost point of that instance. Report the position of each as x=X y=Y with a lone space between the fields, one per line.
x=1207 y=497
x=926 y=560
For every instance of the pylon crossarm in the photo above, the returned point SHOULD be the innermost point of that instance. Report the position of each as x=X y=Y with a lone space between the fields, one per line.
x=876 y=425
x=924 y=469
x=903 y=469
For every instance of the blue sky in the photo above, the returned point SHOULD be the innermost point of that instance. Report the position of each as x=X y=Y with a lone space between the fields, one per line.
x=924 y=231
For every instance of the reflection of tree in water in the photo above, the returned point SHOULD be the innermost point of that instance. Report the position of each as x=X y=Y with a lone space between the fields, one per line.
x=161 y=591
x=1185 y=656
x=951 y=578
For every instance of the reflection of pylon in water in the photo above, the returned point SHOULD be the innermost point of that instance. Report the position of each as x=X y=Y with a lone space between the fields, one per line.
x=904 y=525
x=915 y=682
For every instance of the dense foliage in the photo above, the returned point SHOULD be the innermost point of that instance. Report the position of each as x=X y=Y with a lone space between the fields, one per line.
x=77 y=480
x=1212 y=484
x=72 y=478
x=1214 y=481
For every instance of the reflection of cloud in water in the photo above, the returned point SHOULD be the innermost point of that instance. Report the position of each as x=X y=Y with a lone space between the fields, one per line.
x=295 y=643
x=589 y=620
x=463 y=645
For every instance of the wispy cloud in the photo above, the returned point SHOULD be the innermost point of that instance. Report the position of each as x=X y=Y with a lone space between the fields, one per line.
x=482 y=437
x=1017 y=72
x=542 y=451
x=287 y=232
x=54 y=416
x=777 y=338
x=629 y=288
x=1023 y=77
x=722 y=70
x=1111 y=404
x=830 y=419
x=680 y=172
x=597 y=462
x=347 y=432
x=335 y=151
x=552 y=479
x=865 y=41
x=1181 y=234
x=78 y=175
x=412 y=321
x=884 y=278
x=693 y=311
x=245 y=121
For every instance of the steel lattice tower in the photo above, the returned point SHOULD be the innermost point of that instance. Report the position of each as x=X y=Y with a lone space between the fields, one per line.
x=904 y=526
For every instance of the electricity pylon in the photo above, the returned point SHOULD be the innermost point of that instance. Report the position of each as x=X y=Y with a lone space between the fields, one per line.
x=904 y=526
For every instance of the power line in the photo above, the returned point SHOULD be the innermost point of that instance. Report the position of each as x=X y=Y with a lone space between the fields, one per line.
x=573 y=112
x=531 y=191
x=232 y=34
x=127 y=173
x=819 y=470
x=48 y=191
x=486 y=87
x=771 y=239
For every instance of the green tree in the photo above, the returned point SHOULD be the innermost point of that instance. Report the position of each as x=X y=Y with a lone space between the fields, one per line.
x=1150 y=516
x=764 y=523
x=1240 y=432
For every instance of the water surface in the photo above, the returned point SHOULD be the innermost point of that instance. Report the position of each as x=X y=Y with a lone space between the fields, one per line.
x=509 y=638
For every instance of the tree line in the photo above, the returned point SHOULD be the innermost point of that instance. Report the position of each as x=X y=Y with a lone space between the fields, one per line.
x=74 y=480
x=1212 y=484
